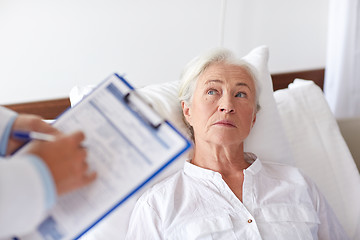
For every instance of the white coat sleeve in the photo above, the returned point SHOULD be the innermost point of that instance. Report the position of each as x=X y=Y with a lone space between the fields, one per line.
x=22 y=195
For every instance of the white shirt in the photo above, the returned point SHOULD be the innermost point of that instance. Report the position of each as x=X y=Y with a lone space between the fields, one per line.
x=196 y=203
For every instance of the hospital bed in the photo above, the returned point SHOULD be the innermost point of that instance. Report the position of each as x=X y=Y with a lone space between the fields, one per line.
x=297 y=125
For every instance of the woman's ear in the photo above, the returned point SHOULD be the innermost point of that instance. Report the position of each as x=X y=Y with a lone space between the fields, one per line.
x=186 y=112
x=254 y=120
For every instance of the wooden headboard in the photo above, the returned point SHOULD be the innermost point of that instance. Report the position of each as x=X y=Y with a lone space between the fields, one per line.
x=50 y=109
x=282 y=80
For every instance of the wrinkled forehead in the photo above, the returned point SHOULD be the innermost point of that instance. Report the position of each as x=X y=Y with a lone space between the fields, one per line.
x=226 y=73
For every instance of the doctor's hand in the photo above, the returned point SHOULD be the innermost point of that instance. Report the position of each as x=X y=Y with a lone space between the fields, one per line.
x=66 y=160
x=28 y=122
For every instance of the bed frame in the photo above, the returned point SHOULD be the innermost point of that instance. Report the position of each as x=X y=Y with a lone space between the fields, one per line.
x=50 y=109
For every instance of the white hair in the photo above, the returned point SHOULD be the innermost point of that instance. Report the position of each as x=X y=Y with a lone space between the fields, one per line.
x=199 y=64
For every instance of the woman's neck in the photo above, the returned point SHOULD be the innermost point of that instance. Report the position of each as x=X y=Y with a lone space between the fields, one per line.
x=227 y=160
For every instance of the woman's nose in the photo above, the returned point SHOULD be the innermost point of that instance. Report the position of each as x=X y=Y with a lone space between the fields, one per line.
x=226 y=110
x=226 y=105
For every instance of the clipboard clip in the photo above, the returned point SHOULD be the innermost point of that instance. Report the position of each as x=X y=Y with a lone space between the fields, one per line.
x=144 y=111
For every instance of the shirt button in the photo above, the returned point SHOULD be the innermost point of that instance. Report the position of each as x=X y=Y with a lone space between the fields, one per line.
x=249 y=221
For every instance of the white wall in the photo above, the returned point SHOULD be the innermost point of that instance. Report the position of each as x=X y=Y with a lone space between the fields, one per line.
x=48 y=46
x=294 y=30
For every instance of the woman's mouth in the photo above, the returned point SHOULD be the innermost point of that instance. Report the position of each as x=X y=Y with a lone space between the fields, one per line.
x=225 y=123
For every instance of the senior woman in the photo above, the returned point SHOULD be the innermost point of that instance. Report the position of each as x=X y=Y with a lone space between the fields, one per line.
x=223 y=192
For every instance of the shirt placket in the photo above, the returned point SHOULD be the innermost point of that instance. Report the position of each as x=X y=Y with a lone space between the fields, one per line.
x=243 y=210
x=249 y=203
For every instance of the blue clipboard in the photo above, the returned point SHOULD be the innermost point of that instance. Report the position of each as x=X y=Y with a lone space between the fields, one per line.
x=117 y=122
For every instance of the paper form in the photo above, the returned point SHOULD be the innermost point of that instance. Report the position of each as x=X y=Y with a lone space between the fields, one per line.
x=123 y=148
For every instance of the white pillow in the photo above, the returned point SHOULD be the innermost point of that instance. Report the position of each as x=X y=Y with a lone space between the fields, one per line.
x=320 y=150
x=164 y=98
x=267 y=138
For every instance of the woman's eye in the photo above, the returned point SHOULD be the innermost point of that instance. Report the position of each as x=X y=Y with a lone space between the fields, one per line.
x=241 y=94
x=211 y=92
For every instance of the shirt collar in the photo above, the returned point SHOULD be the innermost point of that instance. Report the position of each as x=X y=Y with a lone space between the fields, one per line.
x=255 y=166
x=199 y=172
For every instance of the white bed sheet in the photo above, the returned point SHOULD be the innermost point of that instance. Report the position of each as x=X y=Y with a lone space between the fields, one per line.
x=319 y=149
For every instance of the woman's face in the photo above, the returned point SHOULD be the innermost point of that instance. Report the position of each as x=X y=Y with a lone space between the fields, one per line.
x=223 y=105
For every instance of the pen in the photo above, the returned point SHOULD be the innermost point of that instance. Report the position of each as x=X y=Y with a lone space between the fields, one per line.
x=26 y=136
